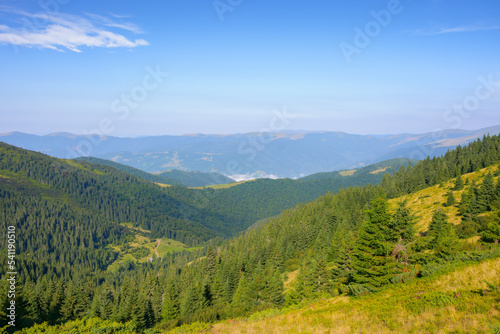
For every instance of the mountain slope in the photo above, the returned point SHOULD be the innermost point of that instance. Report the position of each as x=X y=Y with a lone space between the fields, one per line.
x=116 y=196
x=171 y=177
x=195 y=179
x=463 y=300
x=386 y=166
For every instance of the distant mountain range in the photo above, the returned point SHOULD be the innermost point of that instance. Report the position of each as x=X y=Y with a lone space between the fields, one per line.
x=250 y=155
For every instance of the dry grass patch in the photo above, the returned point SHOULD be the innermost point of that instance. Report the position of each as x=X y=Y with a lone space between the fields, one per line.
x=347 y=172
x=380 y=170
x=290 y=279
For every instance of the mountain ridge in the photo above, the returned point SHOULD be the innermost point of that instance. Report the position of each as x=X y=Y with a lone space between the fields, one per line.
x=256 y=154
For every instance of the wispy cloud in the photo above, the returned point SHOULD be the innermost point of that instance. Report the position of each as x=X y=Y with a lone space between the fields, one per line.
x=65 y=31
x=471 y=28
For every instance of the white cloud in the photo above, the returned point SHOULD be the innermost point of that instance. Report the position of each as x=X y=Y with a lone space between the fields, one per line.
x=59 y=31
x=455 y=30
x=252 y=176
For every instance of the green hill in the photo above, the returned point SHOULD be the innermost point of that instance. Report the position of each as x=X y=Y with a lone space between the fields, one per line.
x=170 y=177
x=195 y=179
x=369 y=174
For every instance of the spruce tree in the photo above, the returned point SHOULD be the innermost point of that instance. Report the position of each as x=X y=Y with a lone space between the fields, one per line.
x=170 y=309
x=244 y=297
x=486 y=193
x=402 y=224
x=496 y=196
x=450 y=201
x=372 y=262
x=342 y=257
x=459 y=183
x=210 y=264
x=442 y=235
x=276 y=289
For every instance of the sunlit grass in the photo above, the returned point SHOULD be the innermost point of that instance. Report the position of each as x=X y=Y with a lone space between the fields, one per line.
x=424 y=202
x=347 y=172
x=457 y=302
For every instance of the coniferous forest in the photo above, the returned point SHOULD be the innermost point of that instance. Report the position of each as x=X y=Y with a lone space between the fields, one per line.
x=73 y=218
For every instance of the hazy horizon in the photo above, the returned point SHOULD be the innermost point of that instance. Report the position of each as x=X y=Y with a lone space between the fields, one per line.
x=287 y=131
x=138 y=69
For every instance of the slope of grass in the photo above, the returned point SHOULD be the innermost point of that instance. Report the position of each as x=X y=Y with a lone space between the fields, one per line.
x=222 y=186
x=464 y=300
x=423 y=203
x=140 y=248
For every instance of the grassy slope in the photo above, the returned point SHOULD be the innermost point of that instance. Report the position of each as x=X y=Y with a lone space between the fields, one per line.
x=423 y=203
x=156 y=247
x=390 y=166
x=460 y=301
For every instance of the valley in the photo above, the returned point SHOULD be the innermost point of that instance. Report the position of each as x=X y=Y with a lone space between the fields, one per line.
x=398 y=246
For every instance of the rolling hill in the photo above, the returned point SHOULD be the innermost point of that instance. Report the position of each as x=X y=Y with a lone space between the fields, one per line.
x=170 y=177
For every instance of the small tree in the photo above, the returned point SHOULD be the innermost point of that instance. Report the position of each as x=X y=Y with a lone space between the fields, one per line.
x=451 y=199
x=459 y=183
x=492 y=233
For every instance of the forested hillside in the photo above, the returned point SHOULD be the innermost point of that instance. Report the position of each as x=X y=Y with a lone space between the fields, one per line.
x=109 y=193
x=422 y=221
x=371 y=174
x=263 y=198
x=195 y=179
x=170 y=177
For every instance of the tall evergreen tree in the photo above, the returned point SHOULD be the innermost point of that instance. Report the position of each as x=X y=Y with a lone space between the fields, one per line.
x=442 y=235
x=244 y=297
x=372 y=262
x=402 y=224
x=170 y=309
x=486 y=193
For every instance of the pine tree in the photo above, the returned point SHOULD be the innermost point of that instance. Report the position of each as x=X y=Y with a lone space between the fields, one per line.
x=106 y=301
x=372 y=262
x=342 y=261
x=170 y=309
x=244 y=297
x=450 y=201
x=486 y=193
x=442 y=235
x=141 y=314
x=402 y=224
x=459 y=183
x=210 y=264
x=276 y=289
x=72 y=307
x=496 y=196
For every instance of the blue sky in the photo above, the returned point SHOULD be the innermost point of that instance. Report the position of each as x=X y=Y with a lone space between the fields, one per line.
x=355 y=66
